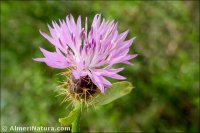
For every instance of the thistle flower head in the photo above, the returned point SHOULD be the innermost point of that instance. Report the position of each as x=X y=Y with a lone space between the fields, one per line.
x=89 y=53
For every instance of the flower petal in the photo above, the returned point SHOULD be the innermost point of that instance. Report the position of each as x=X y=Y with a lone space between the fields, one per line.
x=53 y=59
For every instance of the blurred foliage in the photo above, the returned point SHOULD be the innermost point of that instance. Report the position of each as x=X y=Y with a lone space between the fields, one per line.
x=165 y=74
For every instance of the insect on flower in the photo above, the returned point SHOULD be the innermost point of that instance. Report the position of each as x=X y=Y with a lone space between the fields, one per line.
x=89 y=55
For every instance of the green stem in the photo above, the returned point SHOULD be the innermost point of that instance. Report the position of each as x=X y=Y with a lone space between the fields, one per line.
x=76 y=122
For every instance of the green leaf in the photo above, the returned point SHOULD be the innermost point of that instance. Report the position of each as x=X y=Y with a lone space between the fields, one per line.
x=71 y=117
x=116 y=91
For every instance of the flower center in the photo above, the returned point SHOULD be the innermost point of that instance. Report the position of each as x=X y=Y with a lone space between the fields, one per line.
x=83 y=86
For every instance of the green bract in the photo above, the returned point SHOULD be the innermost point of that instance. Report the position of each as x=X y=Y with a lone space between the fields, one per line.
x=116 y=91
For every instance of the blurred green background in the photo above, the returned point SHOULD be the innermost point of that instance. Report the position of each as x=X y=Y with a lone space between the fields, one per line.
x=165 y=74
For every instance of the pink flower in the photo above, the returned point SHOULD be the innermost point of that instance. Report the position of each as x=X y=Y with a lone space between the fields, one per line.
x=90 y=53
